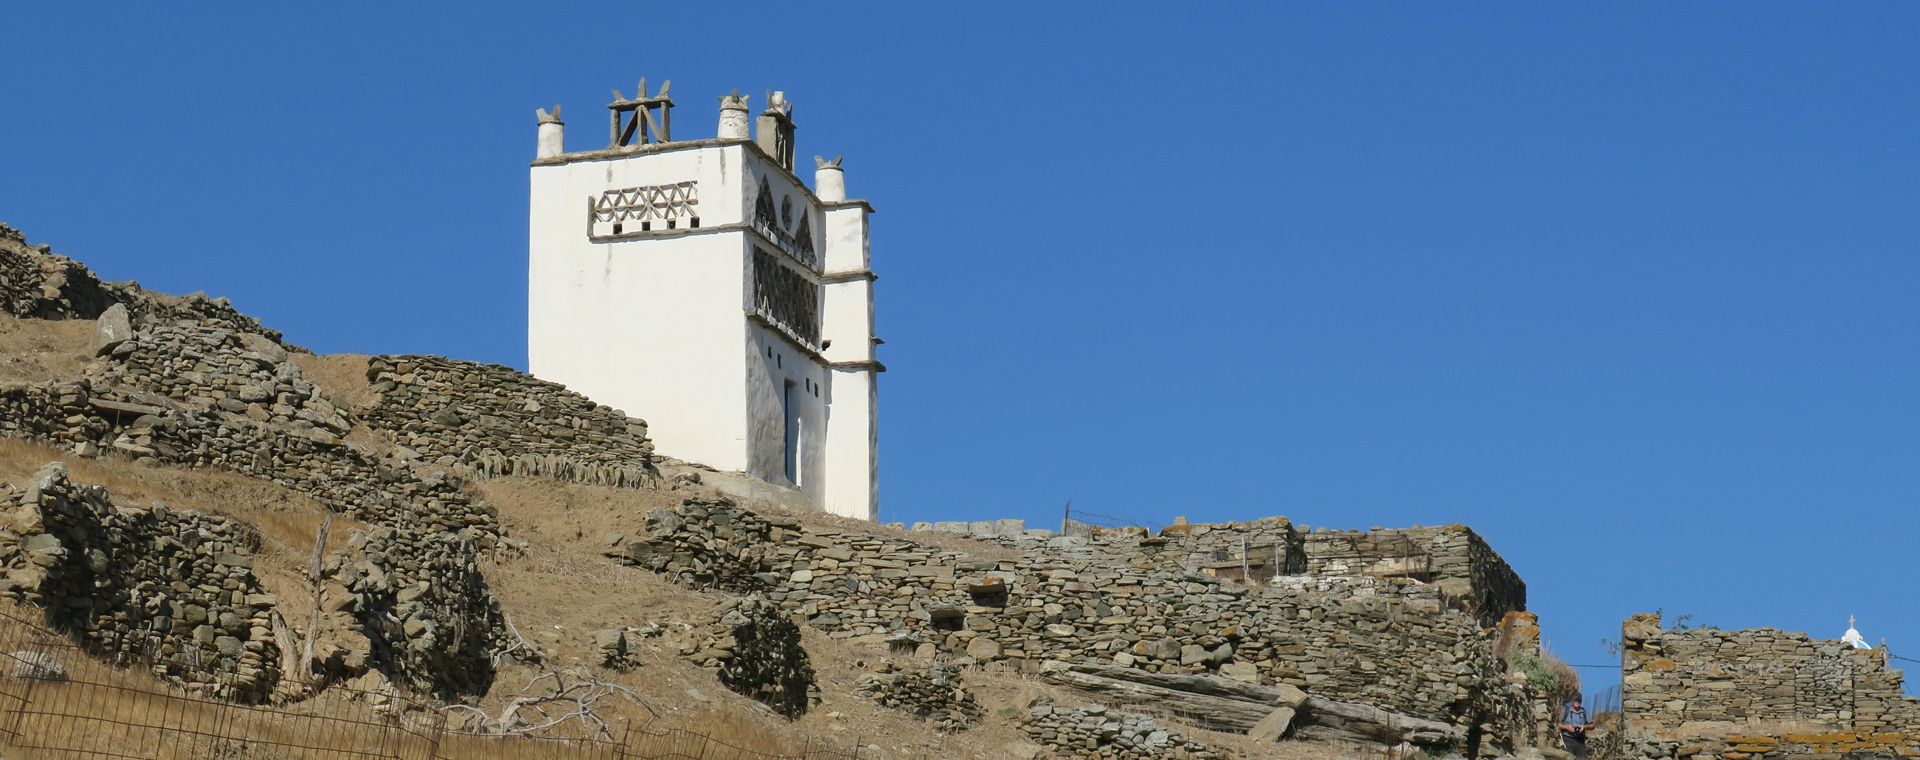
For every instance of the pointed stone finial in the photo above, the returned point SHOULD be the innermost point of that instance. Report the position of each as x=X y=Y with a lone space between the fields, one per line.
x=551 y=140
x=733 y=116
x=777 y=104
x=829 y=180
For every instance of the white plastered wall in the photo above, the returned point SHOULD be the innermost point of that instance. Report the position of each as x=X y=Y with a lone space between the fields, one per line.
x=853 y=465
x=773 y=361
x=652 y=326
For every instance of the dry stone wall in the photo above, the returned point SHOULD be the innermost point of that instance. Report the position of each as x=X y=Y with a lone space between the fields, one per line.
x=37 y=283
x=1730 y=682
x=1392 y=643
x=494 y=421
x=202 y=395
x=934 y=693
x=1093 y=731
x=426 y=608
x=1452 y=557
x=754 y=648
x=170 y=588
x=210 y=365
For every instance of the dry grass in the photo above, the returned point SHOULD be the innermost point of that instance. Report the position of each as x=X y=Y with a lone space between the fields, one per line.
x=37 y=350
x=341 y=377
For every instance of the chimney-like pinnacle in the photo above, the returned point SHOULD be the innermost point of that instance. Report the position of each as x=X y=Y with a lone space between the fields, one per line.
x=733 y=116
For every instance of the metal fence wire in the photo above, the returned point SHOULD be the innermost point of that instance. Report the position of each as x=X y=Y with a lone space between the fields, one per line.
x=57 y=700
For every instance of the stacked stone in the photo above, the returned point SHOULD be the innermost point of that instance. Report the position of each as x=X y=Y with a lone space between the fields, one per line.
x=205 y=365
x=1256 y=550
x=1705 y=676
x=171 y=589
x=426 y=608
x=496 y=421
x=1453 y=557
x=37 y=283
x=60 y=414
x=1095 y=732
x=934 y=694
x=754 y=648
x=148 y=308
x=1388 y=642
x=304 y=458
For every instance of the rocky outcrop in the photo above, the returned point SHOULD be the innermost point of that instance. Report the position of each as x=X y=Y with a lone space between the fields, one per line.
x=495 y=421
x=167 y=588
x=754 y=648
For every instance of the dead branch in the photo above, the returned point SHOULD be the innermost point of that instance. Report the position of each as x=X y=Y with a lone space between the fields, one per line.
x=550 y=700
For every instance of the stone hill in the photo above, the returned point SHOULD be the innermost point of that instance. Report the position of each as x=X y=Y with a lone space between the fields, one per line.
x=276 y=524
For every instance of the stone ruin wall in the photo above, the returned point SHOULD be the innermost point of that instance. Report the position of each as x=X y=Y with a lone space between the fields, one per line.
x=1453 y=557
x=1391 y=643
x=493 y=421
x=37 y=283
x=1705 y=678
x=203 y=394
x=171 y=588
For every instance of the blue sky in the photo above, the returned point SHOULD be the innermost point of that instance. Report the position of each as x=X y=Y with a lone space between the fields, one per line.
x=1629 y=288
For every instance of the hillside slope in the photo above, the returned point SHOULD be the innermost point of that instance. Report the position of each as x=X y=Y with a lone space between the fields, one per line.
x=483 y=528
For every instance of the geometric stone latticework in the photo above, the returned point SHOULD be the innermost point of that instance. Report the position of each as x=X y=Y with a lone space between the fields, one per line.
x=671 y=203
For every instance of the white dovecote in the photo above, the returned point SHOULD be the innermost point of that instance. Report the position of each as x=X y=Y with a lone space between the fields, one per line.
x=699 y=284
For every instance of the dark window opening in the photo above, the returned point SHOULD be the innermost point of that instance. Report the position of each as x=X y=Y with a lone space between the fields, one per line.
x=693 y=223
x=949 y=619
x=671 y=223
x=616 y=228
x=992 y=593
x=646 y=226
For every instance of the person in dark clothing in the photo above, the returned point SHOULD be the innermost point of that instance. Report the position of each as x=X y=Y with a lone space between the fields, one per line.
x=1573 y=728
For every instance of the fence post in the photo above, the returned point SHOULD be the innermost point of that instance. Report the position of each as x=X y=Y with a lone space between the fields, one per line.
x=20 y=713
x=626 y=739
x=439 y=729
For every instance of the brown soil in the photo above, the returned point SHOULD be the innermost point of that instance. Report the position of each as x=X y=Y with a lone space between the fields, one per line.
x=562 y=589
x=342 y=377
x=37 y=350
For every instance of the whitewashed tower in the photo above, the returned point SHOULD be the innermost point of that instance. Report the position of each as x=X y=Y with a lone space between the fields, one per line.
x=701 y=285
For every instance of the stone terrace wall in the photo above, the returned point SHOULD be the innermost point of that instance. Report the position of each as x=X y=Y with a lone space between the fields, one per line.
x=1390 y=643
x=426 y=609
x=492 y=421
x=153 y=585
x=1095 y=731
x=37 y=283
x=1259 y=549
x=1708 y=679
x=436 y=523
x=209 y=364
x=1455 y=558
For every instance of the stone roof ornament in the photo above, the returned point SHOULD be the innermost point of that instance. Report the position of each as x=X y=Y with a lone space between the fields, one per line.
x=1852 y=637
x=773 y=131
x=647 y=118
x=546 y=117
x=733 y=116
x=829 y=180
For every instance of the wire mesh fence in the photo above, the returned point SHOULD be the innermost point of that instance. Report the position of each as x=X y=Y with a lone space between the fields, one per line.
x=59 y=700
